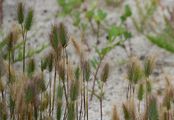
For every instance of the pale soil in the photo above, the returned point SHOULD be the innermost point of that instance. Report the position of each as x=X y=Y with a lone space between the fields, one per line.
x=45 y=15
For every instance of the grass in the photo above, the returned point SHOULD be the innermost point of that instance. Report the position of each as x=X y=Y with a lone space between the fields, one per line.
x=57 y=89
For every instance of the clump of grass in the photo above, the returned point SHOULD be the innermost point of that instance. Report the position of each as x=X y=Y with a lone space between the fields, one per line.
x=134 y=75
x=65 y=95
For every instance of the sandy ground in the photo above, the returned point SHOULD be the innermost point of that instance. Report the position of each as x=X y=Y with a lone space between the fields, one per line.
x=45 y=15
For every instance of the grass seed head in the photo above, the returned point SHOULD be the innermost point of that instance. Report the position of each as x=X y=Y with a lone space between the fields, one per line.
x=140 y=92
x=31 y=67
x=20 y=13
x=54 y=38
x=1 y=86
x=134 y=70
x=44 y=63
x=2 y=67
x=129 y=110
x=50 y=60
x=149 y=65
x=168 y=98
x=115 y=115
x=63 y=35
x=74 y=90
x=29 y=19
x=87 y=70
x=77 y=47
x=10 y=41
x=149 y=86
x=126 y=112
x=77 y=73
x=44 y=102
x=105 y=73
x=40 y=83
x=30 y=92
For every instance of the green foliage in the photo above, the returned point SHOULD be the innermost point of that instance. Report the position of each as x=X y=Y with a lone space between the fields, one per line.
x=164 y=38
x=69 y=5
x=163 y=41
x=127 y=13
x=114 y=32
x=89 y=14
x=100 y=15
x=76 y=18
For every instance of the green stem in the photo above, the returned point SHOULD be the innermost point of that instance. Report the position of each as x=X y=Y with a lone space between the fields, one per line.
x=54 y=88
x=9 y=62
x=101 y=110
x=95 y=78
x=84 y=95
x=50 y=93
x=87 y=103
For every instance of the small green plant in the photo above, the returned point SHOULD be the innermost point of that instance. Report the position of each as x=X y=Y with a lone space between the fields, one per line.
x=69 y=5
x=117 y=35
x=164 y=38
